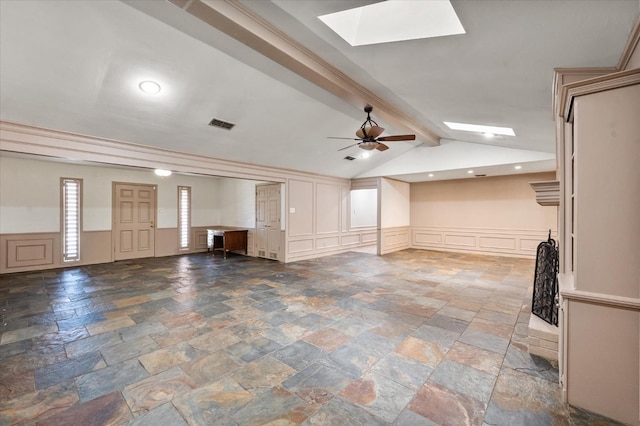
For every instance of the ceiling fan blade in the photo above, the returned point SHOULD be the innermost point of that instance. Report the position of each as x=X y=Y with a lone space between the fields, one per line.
x=349 y=139
x=397 y=138
x=382 y=147
x=347 y=147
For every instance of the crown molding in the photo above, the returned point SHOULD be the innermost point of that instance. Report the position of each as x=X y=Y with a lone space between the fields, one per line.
x=593 y=85
x=24 y=139
x=630 y=47
x=242 y=24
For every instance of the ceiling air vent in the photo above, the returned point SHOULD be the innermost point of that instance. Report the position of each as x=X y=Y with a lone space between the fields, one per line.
x=350 y=158
x=222 y=124
x=480 y=175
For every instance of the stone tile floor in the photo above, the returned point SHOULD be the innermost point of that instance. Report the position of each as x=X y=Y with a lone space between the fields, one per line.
x=410 y=338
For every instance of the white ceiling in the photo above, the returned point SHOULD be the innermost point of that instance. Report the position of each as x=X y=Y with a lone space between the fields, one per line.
x=75 y=66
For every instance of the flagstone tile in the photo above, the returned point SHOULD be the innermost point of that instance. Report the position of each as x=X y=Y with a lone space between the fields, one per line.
x=15 y=383
x=445 y=406
x=174 y=336
x=164 y=359
x=210 y=367
x=213 y=341
x=357 y=324
x=122 y=312
x=182 y=318
x=420 y=350
x=38 y=405
x=101 y=382
x=521 y=397
x=147 y=394
x=440 y=336
x=107 y=409
x=472 y=356
x=26 y=333
x=402 y=370
x=410 y=418
x=339 y=411
x=166 y=414
x=485 y=341
x=378 y=395
x=534 y=365
x=313 y=322
x=299 y=355
x=109 y=325
x=253 y=349
x=275 y=406
x=260 y=375
x=62 y=371
x=499 y=330
x=213 y=403
x=140 y=330
x=327 y=338
x=465 y=380
x=317 y=384
x=136 y=300
x=91 y=344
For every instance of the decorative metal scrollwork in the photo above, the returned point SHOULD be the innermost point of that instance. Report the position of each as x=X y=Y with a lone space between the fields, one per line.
x=545 y=285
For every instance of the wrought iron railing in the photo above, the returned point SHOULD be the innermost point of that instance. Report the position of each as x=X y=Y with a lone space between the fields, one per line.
x=545 y=285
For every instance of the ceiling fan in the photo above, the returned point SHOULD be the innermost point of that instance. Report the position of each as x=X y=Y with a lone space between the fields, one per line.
x=368 y=133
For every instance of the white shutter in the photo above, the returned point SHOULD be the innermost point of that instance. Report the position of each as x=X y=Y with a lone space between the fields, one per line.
x=184 y=206
x=71 y=219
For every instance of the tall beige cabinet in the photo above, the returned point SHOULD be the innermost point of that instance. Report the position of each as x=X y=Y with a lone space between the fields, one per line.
x=598 y=124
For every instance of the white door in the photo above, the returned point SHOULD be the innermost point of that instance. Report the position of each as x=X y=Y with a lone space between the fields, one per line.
x=134 y=210
x=268 y=234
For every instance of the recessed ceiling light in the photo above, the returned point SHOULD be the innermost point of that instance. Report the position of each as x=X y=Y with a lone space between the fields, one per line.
x=469 y=171
x=488 y=135
x=430 y=174
x=389 y=21
x=149 y=86
x=162 y=172
x=365 y=154
x=517 y=167
x=507 y=131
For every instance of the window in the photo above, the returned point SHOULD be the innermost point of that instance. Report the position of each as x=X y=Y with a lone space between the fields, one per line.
x=184 y=216
x=71 y=204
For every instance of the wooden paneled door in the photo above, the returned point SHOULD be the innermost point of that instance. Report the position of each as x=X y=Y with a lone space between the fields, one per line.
x=268 y=233
x=134 y=213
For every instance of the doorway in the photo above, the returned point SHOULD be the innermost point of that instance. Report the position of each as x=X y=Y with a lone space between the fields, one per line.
x=268 y=213
x=134 y=212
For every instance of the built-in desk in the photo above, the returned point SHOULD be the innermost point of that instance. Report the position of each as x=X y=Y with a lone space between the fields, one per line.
x=227 y=238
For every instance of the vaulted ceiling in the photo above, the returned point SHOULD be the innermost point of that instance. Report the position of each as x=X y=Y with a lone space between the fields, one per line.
x=288 y=82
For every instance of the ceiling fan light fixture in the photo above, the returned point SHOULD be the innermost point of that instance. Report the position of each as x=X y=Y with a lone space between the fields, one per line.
x=368 y=146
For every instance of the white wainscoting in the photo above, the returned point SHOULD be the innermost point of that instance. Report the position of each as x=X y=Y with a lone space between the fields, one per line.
x=325 y=245
x=395 y=239
x=502 y=242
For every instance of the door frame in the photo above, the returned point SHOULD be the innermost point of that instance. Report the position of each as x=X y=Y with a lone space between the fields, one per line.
x=154 y=188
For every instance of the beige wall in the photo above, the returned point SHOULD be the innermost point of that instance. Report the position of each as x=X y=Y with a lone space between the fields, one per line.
x=30 y=210
x=492 y=215
x=317 y=212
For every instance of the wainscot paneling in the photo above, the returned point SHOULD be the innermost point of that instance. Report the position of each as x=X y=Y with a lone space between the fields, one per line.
x=502 y=242
x=327 y=242
x=328 y=245
x=300 y=246
x=43 y=250
x=394 y=239
x=348 y=240
x=32 y=252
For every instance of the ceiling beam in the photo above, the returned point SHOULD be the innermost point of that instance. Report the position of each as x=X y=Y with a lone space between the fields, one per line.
x=242 y=24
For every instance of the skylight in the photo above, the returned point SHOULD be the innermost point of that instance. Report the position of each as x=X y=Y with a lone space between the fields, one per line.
x=507 y=131
x=394 y=20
